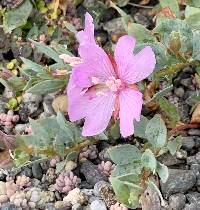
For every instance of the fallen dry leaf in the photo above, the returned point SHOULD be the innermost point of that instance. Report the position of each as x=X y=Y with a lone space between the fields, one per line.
x=5 y=160
x=196 y=114
x=60 y=104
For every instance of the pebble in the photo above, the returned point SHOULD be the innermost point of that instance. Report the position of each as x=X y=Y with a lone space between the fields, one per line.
x=193 y=197
x=9 y=206
x=186 y=82
x=27 y=172
x=179 y=92
x=47 y=105
x=194 y=132
x=114 y=26
x=177 y=201
x=179 y=181
x=37 y=171
x=142 y=19
x=169 y=160
x=188 y=143
x=92 y=173
x=191 y=207
x=98 y=204
x=77 y=206
x=20 y=128
x=98 y=186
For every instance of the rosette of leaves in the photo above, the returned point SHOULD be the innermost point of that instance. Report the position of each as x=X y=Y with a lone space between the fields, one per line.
x=134 y=167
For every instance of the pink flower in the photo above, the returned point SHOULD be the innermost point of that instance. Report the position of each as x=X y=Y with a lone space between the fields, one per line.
x=103 y=85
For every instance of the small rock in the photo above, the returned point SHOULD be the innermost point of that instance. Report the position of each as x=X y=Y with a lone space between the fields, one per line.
x=188 y=143
x=70 y=165
x=191 y=160
x=193 y=197
x=98 y=204
x=98 y=186
x=177 y=201
x=9 y=206
x=29 y=97
x=186 y=82
x=47 y=105
x=77 y=206
x=3 y=174
x=114 y=26
x=26 y=171
x=170 y=160
x=49 y=206
x=194 y=132
x=142 y=19
x=37 y=171
x=60 y=104
x=20 y=128
x=90 y=194
x=75 y=196
x=179 y=181
x=191 y=207
x=198 y=157
x=92 y=173
x=179 y=92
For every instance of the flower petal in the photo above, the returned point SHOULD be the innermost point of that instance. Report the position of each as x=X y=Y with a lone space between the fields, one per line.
x=97 y=61
x=130 y=109
x=87 y=35
x=81 y=75
x=76 y=101
x=124 y=52
x=99 y=113
x=133 y=68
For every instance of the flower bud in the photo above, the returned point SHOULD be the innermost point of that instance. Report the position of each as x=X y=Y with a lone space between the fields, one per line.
x=174 y=41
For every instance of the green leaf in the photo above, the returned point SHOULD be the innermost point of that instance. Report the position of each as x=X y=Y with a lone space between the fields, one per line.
x=120 y=170
x=42 y=48
x=174 y=144
x=156 y=132
x=148 y=160
x=124 y=154
x=162 y=171
x=47 y=86
x=140 y=32
x=17 y=83
x=170 y=111
x=168 y=26
x=122 y=192
x=17 y=17
x=172 y=4
x=192 y=16
x=20 y=158
x=33 y=66
x=196 y=45
x=140 y=127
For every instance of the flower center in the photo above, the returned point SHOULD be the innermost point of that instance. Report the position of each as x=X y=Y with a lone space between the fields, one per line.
x=113 y=84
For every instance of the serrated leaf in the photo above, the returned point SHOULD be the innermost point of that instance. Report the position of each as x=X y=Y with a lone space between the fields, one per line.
x=162 y=171
x=148 y=160
x=140 y=32
x=172 y=4
x=170 y=111
x=33 y=66
x=140 y=127
x=17 y=17
x=124 y=154
x=42 y=48
x=156 y=132
x=47 y=86
x=174 y=144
